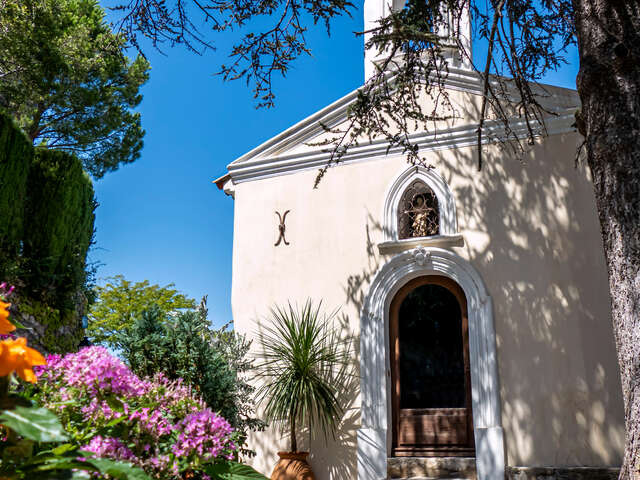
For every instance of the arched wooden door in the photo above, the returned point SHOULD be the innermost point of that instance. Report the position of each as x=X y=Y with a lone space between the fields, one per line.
x=430 y=375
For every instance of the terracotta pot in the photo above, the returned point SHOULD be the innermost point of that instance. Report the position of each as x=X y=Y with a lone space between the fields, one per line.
x=292 y=466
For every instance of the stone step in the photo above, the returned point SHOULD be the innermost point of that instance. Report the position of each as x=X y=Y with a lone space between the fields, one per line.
x=431 y=468
x=425 y=478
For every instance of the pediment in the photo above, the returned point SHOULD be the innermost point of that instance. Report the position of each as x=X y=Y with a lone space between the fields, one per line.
x=297 y=147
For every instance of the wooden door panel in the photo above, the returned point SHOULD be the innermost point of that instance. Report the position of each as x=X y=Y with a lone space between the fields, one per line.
x=425 y=422
x=432 y=427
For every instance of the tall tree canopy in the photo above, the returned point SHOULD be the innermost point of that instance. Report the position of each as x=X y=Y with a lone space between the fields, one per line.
x=525 y=38
x=66 y=79
x=120 y=302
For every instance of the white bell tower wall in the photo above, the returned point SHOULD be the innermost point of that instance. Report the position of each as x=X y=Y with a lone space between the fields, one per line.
x=374 y=10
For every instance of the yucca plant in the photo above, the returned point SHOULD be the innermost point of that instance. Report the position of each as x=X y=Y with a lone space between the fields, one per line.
x=304 y=365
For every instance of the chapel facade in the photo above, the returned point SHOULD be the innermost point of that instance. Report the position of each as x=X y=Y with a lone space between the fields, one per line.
x=478 y=300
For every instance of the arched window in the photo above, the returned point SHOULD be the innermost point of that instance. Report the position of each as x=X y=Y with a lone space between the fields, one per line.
x=419 y=209
x=418 y=212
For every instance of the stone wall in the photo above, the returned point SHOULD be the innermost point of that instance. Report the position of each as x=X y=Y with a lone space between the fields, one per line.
x=47 y=329
x=562 y=473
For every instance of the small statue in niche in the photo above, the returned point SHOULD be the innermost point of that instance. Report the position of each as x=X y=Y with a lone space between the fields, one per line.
x=421 y=215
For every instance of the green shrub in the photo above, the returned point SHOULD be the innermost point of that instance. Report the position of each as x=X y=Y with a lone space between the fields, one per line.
x=185 y=346
x=16 y=154
x=58 y=227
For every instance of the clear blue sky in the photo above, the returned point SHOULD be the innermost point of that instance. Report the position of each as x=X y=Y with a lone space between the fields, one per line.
x=161 y=218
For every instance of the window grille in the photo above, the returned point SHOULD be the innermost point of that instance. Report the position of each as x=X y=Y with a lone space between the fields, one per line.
x=418 y=212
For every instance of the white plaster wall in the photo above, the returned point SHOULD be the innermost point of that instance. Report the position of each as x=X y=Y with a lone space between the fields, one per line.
x=532 y=233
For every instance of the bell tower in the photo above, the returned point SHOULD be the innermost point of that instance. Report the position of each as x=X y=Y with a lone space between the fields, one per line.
x=460 y=28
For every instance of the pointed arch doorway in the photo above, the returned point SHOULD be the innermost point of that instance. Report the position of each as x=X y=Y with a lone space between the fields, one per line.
x=430 y=373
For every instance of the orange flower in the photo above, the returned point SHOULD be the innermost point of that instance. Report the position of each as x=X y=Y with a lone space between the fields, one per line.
x=15 y=355
x=5 y=325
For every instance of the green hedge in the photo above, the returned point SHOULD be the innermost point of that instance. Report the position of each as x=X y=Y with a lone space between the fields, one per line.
x=47 y=209
x=58 y=227
x=16 y=154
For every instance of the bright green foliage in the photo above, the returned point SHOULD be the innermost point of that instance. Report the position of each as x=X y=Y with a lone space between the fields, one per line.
x=119 y=302
x=37 y=424
x=27 y=453
x=117 y=470
x=305 y=367
x=58 y=227
x=16 y=154
x=233 y=471
x=65 y=77
x=186 y=347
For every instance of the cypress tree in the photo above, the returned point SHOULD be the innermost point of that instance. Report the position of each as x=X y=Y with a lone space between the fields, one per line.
x=58 y=226
x=16 y=154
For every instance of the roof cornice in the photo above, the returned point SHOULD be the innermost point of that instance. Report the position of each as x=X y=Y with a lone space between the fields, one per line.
x=271 y=159
x=454 y=137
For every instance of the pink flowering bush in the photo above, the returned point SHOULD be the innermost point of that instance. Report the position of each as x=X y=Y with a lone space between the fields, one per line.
x=162 y=426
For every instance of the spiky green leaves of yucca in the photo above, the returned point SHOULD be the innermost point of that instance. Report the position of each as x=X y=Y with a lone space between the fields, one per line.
x=303 y=369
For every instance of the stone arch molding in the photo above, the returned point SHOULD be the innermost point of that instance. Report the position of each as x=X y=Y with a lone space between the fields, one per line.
x=373 y=435
x=446 y=202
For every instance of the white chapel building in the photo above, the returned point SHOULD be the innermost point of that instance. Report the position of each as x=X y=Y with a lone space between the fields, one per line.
x=479 y=301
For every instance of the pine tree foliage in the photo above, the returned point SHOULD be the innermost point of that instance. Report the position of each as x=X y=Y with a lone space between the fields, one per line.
x=65 y=78
x=258 y=56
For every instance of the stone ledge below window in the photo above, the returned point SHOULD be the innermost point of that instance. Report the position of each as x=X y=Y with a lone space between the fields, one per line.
x=444 y=241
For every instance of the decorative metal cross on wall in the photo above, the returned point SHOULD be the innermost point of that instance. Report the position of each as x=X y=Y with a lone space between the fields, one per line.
x=281 y=228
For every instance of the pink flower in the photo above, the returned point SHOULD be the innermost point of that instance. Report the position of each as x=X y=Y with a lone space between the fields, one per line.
x=109 y=447
x=204 y=433
x=6 y=290
x=95 y=370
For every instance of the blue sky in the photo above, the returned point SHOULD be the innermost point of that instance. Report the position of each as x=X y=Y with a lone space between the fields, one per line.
x=161 y=218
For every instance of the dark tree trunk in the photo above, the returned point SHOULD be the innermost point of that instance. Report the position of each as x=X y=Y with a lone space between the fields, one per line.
x=294 y=443
x=609 y=87
x=34 y=129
